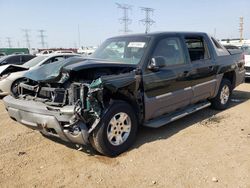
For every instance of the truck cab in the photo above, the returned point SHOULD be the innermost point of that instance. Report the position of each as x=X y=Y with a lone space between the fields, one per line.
x=146 y=79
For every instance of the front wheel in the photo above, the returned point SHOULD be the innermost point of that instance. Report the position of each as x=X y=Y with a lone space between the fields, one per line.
x=222 y=99
x=116 y=131
x=14 y=87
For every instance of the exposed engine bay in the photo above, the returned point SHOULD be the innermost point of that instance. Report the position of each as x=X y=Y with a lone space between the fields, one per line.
x=75 y=86
x=88 y=91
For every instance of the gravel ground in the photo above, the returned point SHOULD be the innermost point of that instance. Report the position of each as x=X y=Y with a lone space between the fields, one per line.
x=206 y=149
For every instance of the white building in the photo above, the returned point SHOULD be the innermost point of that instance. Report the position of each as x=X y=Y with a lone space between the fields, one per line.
x=235 y=42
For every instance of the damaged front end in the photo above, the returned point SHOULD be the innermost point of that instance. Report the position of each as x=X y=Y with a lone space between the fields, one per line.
x=73 y=107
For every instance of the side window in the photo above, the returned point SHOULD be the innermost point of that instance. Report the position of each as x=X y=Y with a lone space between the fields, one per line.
x=25 y=58
x=14 y=60
x=58 y=59
x=170 y=49
x=197 y=48
x=54 y=59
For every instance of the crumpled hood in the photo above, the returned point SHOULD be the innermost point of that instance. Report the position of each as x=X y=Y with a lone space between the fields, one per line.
x=53 y=72
x=95 y=63
x=50 y=72
x=6 y=69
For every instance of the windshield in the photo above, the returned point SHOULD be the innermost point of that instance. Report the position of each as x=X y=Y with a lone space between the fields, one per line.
x=50 y=71
x=125 y=50
x=34 y=61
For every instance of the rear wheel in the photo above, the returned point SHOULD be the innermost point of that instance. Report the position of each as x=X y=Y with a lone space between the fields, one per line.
x=116 y=131
x=222 y=99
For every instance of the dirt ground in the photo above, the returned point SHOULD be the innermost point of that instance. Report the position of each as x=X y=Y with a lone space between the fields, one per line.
x=207 y=149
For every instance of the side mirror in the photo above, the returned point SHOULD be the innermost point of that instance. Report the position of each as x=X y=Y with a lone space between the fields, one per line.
x=156 y=63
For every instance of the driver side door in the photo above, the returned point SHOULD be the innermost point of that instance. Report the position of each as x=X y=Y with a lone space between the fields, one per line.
x=168 y=88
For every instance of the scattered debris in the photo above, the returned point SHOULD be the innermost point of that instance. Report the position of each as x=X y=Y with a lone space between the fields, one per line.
x=248 y=135
x=20 y=153
x=154 y=182
x=214 y=179
x=212 y=120
x=41 y=167
x=79 y=147
x=236 y=100
x=100 y=180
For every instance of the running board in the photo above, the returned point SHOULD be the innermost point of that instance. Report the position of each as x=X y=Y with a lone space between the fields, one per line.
x=165 y=119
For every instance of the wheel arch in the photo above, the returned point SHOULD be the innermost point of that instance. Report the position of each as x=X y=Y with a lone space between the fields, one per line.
x=231 y=76
x=128 y=98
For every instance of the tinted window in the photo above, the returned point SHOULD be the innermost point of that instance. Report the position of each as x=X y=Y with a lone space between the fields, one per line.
x=170 y=49
x=13 y=60
x=26 y=58
x=54 y=59
x=197 y=48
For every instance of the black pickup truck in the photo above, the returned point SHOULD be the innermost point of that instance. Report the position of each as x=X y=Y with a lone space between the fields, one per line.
x=146 y=79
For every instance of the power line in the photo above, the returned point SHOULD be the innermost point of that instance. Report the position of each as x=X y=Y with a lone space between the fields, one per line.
x=42 y=37
x=27 y=37
x=147 y=21
x=241 y=28
x=9 y=42
x=125 y=20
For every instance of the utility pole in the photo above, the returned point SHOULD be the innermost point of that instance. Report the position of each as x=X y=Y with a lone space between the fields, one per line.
x=241 y=28
x=9 y=42
x=214 y=32
x=42 y=37
x=147 y=21
x=27 y=37
x=79 y=37
x=125 y=19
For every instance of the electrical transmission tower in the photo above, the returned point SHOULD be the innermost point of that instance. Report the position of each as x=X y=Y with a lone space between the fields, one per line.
x=147 y=21
x=9 y=42
x=241 y=29
x=27 y=37
x=125 y=19
x=42 y=37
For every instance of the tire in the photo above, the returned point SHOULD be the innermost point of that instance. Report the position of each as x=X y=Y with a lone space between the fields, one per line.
x=14 y=85
x=116 y=131
x=222 y=99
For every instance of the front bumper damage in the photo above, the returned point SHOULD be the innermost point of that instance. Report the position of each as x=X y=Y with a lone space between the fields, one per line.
x=71 y=114
x=50 y=121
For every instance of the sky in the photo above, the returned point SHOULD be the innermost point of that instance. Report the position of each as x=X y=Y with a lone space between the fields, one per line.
x=98 y=20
